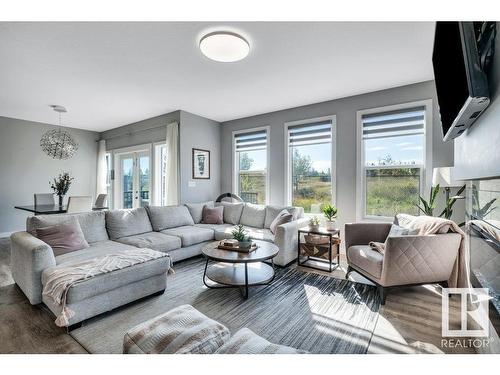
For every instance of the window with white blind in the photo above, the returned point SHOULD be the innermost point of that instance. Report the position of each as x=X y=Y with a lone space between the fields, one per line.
x=310 y=163
x=250 y=180
x=392 y=159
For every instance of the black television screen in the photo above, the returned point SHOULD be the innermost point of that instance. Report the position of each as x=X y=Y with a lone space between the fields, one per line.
x=461 y=83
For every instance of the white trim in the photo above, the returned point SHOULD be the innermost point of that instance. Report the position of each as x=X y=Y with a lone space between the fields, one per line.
x=234 y=172
x=288 y=164
x=426 y=176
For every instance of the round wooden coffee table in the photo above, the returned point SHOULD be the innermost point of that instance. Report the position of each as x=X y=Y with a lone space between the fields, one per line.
x=232 y=269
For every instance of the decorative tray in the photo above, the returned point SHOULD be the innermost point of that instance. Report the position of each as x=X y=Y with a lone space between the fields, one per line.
x=237 y=248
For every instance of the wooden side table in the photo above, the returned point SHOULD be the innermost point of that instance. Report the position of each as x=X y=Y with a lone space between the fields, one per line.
x=319 y=245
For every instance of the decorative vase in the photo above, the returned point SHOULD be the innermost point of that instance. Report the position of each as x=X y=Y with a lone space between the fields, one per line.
x=61 y=199
x=314 y=227
x=330 y=225
x=245 y=244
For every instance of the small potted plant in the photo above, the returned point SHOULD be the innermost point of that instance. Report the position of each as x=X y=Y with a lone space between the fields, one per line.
x=61 y=185
x=330 y=212
x=240 y=235
x=314 y=223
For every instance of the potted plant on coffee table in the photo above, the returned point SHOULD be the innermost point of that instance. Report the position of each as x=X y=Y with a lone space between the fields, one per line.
x=330 y=212
x=239 y=234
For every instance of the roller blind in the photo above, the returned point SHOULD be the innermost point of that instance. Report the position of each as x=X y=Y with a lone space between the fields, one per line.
x=408 y=121
x=313 y=133
x=251 y=141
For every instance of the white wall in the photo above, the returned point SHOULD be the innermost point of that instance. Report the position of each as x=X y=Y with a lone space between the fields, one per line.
x=25 y=169
x=345 y=110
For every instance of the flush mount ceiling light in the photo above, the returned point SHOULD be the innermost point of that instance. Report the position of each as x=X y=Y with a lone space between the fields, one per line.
x=224 y=46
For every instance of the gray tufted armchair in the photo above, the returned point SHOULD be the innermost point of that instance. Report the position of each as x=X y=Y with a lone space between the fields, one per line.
x=408 y=260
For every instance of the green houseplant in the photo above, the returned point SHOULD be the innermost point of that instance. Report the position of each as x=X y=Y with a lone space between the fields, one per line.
x=330 y=212
x=239 y=234
x=314 y=223
x=61 y=185
x=428 y=207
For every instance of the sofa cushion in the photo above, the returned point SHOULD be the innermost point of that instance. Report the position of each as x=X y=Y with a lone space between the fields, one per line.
x=196 y=210
x=63 y=238
x=272 y=213
x=183 y=330
x=213 y=215
x=93 y=224
x=123 y=223
x=165 y=217
x=247 y=342
x=253 y=215
x=232 y=212
x=366 y=259
x=111 y=280
x=152 y=240
x=190 y=235
x=283 y=218
x=96 y=249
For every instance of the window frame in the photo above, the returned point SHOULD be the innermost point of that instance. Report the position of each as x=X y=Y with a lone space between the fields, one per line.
x=426 y=167
x=288 y=162
x=235 y=167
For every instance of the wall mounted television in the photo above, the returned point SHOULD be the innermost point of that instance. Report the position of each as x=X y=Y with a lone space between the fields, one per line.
x=461 y=58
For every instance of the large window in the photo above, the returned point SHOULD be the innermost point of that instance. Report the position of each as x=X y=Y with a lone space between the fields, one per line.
x=250 y=163
x=310 y=163
x=393 y=156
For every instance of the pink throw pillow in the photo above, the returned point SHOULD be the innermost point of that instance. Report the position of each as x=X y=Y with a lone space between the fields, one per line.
x=213 y=215
x=63 y=238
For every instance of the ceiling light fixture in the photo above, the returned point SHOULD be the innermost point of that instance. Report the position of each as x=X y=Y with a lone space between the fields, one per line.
x=58 y=143
x=224 y=46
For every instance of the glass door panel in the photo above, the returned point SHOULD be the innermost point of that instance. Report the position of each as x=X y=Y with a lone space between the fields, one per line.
x=144 y=192
x=127 y=180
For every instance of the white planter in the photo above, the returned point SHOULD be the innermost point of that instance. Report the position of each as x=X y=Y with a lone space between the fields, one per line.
x=330 y=225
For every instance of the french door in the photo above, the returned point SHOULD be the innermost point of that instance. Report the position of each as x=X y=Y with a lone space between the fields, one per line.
x=133 y=177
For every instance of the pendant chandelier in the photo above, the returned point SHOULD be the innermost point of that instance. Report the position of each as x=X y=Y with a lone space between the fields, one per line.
x=58 y=143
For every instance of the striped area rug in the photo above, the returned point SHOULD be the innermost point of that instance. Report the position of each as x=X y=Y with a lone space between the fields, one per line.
x=304 y=310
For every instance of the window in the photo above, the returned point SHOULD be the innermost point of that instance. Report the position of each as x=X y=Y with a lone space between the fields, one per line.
x=161 y=174
x=392 y=160
x=250 y=165
x=310 y=163
x=109 y=185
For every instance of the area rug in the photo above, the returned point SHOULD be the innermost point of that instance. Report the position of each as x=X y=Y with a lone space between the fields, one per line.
x=304 y=310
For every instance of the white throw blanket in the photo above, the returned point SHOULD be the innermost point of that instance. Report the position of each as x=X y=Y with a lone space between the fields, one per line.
x=426 y=225
x=56 y=283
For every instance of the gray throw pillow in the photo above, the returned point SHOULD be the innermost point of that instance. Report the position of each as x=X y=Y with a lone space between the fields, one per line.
x=232 y=212
x=213 y=215
x=272 y=213
x=254 y=215
x=63 y=238
x=282 y=218
x=196 y=210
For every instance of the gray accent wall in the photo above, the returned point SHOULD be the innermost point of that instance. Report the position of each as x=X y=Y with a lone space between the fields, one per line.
x=477 y=152
x=345 y=110
x=205 y=134
x=26 y=169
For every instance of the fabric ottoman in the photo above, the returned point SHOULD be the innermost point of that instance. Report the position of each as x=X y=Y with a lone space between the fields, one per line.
x=183 y=330
x=246 y=342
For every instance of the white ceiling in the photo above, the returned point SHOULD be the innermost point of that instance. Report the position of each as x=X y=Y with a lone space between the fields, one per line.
x=111 y=74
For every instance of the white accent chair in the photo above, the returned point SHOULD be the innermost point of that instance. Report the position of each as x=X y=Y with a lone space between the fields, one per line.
x=44 y=199
x=79 y=204
x=101 y=200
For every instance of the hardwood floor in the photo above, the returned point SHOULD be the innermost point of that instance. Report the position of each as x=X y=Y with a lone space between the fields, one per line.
x=410 y=321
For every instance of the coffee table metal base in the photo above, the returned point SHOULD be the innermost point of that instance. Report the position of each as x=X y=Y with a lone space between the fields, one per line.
x=237 y=275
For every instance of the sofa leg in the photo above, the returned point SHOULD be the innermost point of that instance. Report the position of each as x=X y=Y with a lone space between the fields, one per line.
x=382 y=293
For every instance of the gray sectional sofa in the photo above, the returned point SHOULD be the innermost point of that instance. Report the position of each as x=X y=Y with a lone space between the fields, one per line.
x=176 y=230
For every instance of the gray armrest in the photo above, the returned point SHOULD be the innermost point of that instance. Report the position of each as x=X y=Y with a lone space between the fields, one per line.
x=286 y=239
x=29 y=257
x=363 y=233
x=419 y=259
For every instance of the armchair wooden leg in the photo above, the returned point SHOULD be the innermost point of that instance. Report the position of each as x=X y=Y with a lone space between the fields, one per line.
x=382 y=293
